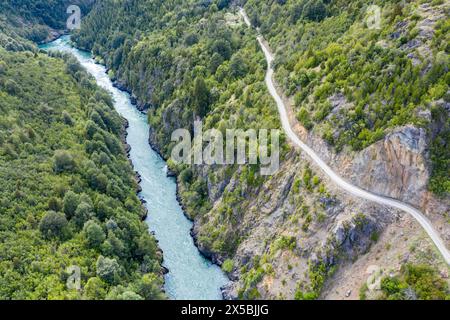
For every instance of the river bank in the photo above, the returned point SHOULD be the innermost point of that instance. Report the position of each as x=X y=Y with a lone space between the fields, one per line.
x=191 y=276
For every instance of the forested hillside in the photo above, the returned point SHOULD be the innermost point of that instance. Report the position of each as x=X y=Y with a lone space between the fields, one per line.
x=68 y=197
x=282 y=236
x=351 y=84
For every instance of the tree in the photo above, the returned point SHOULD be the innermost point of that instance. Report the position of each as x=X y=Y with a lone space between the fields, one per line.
x=53 y=225
x=91 y=129
x=103 y=210
x=97 y=180
x=67 y=118
x=149 y=287
x=94 y=234
x=222 y=4
x=297 y=11
x=54 y=204
x=12 y=87
x=113 y=246
x=71 y=202
x=3 y=67
x=73 y=67
x=238 y=66
x=186 y=176
x=129 y=295
x=191 y=39
x=222 y=47
x=216 y=61
x=255 y=20
x=83 y=213
x=201 y=96
x=146 y=246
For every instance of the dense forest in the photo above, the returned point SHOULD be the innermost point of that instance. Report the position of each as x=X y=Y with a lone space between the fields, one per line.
x=68 y=199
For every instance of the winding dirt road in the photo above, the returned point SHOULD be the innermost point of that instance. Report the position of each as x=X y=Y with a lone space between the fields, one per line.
x=339 y=181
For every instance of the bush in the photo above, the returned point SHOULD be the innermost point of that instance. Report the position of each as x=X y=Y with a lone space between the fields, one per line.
x=95 y=289
x=71 y=202
x=107 y=269
x=304 y=118
x=94 y=234
x=415 y=282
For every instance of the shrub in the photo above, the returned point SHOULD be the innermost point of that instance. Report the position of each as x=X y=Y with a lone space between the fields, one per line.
x=53 y=225
x=63 y=161
x=415 y=282
x=95 y=289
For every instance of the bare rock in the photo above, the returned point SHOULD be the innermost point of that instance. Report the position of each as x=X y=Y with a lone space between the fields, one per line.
x=396 y=166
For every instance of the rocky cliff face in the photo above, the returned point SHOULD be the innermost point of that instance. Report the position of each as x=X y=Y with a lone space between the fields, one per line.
x=290 y=230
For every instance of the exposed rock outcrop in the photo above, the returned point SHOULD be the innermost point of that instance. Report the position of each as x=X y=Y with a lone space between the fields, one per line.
x=395 y=166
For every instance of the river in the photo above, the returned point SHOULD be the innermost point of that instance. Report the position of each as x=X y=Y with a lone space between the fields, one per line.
x=190 y=276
